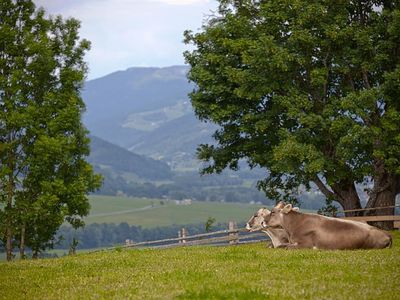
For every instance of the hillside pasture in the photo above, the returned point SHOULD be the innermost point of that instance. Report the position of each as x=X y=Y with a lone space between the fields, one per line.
x=150 y=213
x=204 y=272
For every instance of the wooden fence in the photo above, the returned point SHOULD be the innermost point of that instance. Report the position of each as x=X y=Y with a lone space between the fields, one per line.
x=394 y=218
x=231 y=236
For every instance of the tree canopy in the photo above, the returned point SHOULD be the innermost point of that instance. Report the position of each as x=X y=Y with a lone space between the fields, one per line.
x=44 y=177
x=309 y=90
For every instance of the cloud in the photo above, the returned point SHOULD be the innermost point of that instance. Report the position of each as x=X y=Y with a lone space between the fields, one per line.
x=127 y=33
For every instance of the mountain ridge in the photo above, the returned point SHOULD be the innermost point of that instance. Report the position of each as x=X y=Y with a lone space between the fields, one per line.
x=147 y=110
x=105 y=155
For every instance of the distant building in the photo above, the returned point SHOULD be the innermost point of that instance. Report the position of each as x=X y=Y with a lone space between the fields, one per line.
x=183 y=202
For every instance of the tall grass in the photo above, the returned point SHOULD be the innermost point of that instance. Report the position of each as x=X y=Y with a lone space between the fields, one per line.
x=235 y=272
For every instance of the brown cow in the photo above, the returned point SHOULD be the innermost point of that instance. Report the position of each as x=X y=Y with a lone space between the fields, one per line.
x=320 y=232
x=278 y=236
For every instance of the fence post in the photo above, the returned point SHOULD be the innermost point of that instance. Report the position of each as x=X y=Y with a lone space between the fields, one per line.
x=182 y=234
x=235 y=236
x=179 y=236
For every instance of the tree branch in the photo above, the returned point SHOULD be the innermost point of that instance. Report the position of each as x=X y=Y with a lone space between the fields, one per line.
x=365 y=79
x=322 y=187
x=373 y=196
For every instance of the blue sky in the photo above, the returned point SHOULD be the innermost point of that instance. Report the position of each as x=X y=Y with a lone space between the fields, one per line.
x=130 y=33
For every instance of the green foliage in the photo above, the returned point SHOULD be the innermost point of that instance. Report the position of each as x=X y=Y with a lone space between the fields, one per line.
x=236 y=272
x=44 y=176
x=209 y=223
x=302 y=88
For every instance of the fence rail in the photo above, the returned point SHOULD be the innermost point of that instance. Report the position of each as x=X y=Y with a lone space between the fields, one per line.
x=368 y=209
x=232 y=236
x=380 y=218
x=374 y=218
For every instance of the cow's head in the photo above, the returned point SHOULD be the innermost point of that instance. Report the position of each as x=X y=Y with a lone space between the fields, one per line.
x=255 y=221
x=274 y=219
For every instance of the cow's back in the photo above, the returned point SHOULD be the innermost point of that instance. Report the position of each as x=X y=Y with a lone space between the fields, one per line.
x=332 y=233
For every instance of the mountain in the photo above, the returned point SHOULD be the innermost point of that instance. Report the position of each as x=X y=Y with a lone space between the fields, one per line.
x=107 y=157
x=147 y=110
x=175 y=140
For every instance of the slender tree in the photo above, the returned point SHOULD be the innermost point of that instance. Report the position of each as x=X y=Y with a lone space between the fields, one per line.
x=44 y=177
x=309 y=90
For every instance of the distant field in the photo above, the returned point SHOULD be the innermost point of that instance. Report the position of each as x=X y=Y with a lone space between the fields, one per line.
x=151 y=213
x=236 y=272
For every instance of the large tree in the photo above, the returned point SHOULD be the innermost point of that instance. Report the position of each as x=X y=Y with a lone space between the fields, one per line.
x=44 y=177
x=309 y=90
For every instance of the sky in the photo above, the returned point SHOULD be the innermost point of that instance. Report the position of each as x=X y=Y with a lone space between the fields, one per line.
x=133 y=33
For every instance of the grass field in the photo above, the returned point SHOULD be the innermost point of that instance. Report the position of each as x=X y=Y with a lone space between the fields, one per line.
x=236 y=272
x=150 y=213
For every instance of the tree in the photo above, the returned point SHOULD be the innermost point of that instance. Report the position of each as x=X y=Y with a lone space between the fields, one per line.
x=309 y=90
x=209 y=223
x=44 y=176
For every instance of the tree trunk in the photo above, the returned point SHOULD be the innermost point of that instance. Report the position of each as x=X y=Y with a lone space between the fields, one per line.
x=382 y=195
x=385 y=198
x=22 y=243
x=397 y=180
x=343 y=192
x=10 y=196
x=347 y=196
x=9 y=243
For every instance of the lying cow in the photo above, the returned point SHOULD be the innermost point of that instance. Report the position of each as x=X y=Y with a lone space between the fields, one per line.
x=278 y=236
x=320 y=232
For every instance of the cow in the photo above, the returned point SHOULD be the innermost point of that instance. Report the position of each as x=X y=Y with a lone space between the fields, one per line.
x=321 y=232
x=278 y=236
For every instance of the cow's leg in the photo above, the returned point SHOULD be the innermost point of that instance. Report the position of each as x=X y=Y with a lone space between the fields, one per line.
x=300 y=245
x=269 y=244
x=287 y=246
x=293 y=246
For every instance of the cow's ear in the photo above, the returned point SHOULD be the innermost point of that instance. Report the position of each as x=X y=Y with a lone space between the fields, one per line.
x=280 y=205
x=287 y=208
x=295 y=208
x=266 y=211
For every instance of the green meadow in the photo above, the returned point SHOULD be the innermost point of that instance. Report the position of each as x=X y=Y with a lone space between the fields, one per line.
x=204 y=272
x=155 y=212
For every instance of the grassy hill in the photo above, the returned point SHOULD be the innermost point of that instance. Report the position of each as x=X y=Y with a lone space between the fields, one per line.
x=150 y=213
x=236 y=272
